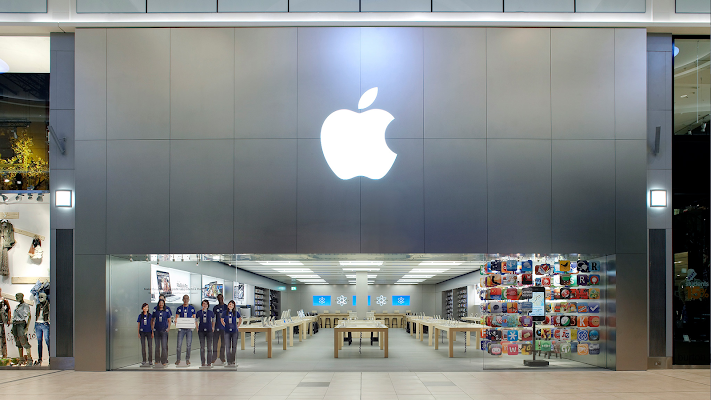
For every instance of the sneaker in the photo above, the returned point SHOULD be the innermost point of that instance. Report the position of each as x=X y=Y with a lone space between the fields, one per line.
x=150 y=363
x=177 y=362
x=187 y=362
x=204 y=365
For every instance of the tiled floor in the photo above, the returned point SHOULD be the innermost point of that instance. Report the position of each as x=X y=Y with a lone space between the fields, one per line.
x=540 y=385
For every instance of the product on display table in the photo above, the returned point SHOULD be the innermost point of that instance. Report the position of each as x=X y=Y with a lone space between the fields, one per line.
x=359 y=327
x=571 y=323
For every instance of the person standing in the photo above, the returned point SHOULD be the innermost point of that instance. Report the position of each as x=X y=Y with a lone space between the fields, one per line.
x=160 y=323
x=205 y=325
x=231 y=320
x=145 y=333
x=185 y=311
x=42 y=325
x=167 y=307
x=219 y=336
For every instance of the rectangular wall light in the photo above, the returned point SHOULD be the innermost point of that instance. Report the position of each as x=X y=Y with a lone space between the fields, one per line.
x=62 y=198
x=376 y=263
x=657 y=198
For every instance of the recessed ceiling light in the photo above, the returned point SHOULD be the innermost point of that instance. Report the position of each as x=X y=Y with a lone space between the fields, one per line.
x=361 y=263
x=311 y=280
x=419 y=276
x=369 y=276
x=405 y=283
x=303 y=276
x=293 y=270
x=316 y=283
x=280 y=262
x=354 y=282
x=427 y=271
x=411 y=280
x=361 y=269
x=450 y=263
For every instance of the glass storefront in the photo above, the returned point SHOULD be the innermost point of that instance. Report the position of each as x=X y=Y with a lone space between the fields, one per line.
x=484 y=303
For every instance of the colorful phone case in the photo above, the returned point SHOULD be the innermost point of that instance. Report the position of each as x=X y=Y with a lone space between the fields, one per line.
x=512 y=349
x=594 y=293
x=526 y=266
x=546 y=281
x=582 y=335
x=593 y=307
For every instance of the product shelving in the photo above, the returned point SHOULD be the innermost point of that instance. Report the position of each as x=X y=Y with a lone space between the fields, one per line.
x=261 y=307
x=462 y=302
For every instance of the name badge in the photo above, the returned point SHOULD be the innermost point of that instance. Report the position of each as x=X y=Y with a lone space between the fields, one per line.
x=204 y=318
x=229 y=320
x=160 y=318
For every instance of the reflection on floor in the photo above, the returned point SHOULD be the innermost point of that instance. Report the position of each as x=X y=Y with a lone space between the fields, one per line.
x=528 y=385
x=405 y=354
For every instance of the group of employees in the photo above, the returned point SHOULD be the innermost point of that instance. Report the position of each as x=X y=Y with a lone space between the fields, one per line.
x=216 y=328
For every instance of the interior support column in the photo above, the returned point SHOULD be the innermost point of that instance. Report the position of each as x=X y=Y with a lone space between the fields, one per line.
x=361 y=293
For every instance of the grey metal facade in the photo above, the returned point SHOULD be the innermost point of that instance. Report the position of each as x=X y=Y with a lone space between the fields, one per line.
x=508 y=141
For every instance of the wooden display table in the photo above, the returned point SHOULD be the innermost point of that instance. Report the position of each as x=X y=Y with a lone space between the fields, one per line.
x=359 y=327
x=399 y=317
x=452 y=333
x=268 y=330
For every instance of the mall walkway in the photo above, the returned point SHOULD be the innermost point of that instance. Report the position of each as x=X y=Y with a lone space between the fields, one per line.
x=551 y=385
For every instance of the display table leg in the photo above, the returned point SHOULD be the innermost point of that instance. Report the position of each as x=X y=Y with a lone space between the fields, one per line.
x=252 y=337
x=429 y=337
x=241 y=337
x=335 y=343
x=385 y=339
x=269 y=343
x=422 y=335
x=292 y=338
x=436 y=336
x=454 y=336
x=469 y=338
x=381 y=340
x=451 y=345
x=412 y=328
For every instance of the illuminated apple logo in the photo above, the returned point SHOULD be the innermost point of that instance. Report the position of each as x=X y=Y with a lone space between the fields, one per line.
x=354 y=143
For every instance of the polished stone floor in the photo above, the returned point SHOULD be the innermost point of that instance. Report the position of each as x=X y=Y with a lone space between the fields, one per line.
x=488 y=385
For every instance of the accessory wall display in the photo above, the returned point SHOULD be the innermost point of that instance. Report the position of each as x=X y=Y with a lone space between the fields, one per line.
x=573 y=323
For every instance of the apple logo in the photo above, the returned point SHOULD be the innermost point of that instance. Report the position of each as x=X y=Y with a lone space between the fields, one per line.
x=354 y=143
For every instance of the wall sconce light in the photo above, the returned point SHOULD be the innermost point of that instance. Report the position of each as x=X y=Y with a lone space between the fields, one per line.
x=657 y=198
x=62 y=198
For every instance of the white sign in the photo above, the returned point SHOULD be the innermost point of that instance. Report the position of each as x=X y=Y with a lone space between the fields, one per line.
x=354 y=143
x=185 y=323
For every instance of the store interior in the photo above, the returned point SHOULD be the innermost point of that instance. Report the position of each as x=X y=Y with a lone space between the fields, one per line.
x=308 y=305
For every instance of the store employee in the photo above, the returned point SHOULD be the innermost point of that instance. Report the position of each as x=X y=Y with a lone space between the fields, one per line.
x=231 y=319
x=185 y=311
x=161 y=323
x=162 y=297
x=205 y=325
x=218 y=341
x=145 y=333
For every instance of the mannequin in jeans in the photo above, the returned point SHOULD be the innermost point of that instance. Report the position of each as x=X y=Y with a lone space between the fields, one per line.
x=219 y=335
x=160 y=323
x=185 y=311
x=20 y=319
x=42 y=325
x=205 y=325
x=231 y=320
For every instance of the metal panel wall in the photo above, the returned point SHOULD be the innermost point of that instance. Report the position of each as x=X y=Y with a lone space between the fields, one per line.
x=468 y=5
x=539 y=6
x=324 y=5
x=632 y=322
x=631 y=192
x=191 y=6
x=252 y=6
x=630 y=83
x=23 y=6
x=89 y=305
x=693 y=6
x=396 y=5
x=90 y=96
x=610 y=6
x=657 y=293
x=111 y=6
x=90 y=176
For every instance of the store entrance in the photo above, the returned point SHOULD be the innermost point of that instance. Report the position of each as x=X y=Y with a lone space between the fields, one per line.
x=425 y=312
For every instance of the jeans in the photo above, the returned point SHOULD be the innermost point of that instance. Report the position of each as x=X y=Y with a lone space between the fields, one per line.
x=146 y=337
x=231 y=345
x=205 y=346
x=161 y=338
x=42 y=330
x=219 y=336
x=182 y=333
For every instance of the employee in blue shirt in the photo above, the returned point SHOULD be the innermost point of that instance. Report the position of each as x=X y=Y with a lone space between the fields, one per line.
x=205 y=325
x=160 y=324
x=162 y=297
x=219 y=336
x=185 y=311
x=231 y=320
x=145 y=333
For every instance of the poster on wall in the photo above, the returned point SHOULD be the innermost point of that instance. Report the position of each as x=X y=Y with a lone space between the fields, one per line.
x=170 y=282
x=211 y=287
x=401 y=301
x=238 y=294
x=322 y=301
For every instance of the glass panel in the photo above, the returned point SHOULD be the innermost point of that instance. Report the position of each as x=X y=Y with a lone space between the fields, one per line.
x=23 y=6
x=468 y=5
x=24 y=118
x=395 y=5
x=191 y=6
x=610 y=6
x=693 y=6
x=111 y=6
x=259 y=6
x=317 y=5
x=692 y=86
x=574 y=332
x=539 y=5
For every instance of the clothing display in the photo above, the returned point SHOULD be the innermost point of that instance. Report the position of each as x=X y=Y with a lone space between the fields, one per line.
x=19 y=332
x=7 y=241
x=5 y=318
x=36 y=252
x=39 y=287
x=42 y=324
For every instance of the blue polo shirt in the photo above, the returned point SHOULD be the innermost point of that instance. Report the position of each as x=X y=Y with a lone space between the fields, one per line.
x=185 y=311
x=161 y=320
x=231 y=318
x=219 y=310
x=205 y=319
x=170 y=312
x=145 y=321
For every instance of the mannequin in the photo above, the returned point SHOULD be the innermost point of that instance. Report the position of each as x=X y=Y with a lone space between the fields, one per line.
x=5 y=319
x=20 y=319
x=42 y=325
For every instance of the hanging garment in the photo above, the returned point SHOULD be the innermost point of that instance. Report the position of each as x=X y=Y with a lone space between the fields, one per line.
x=36 y=249
x=7 y=241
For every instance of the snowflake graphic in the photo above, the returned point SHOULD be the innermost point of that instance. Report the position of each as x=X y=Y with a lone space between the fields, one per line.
x=322 y=300
x=380 y=300
x=400 y=300
x=341 y=300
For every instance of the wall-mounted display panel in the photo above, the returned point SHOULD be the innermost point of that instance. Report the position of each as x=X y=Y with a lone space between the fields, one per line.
x=322 y=301
x=23 y=6
x=324 y=5
x=539 y=6
x=400 y=301
x=169 y=282
x=181 y=6
x=693 y=6
x=395 y=5
x=252 y=6
x=110 y=6
x=610 y=6
x=468 y=5
x=211 y=288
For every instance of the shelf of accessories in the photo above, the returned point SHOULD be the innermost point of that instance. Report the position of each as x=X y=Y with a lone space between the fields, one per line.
x=462 y=302
x=449 y=305
x=260 y=307
x=563 y=332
